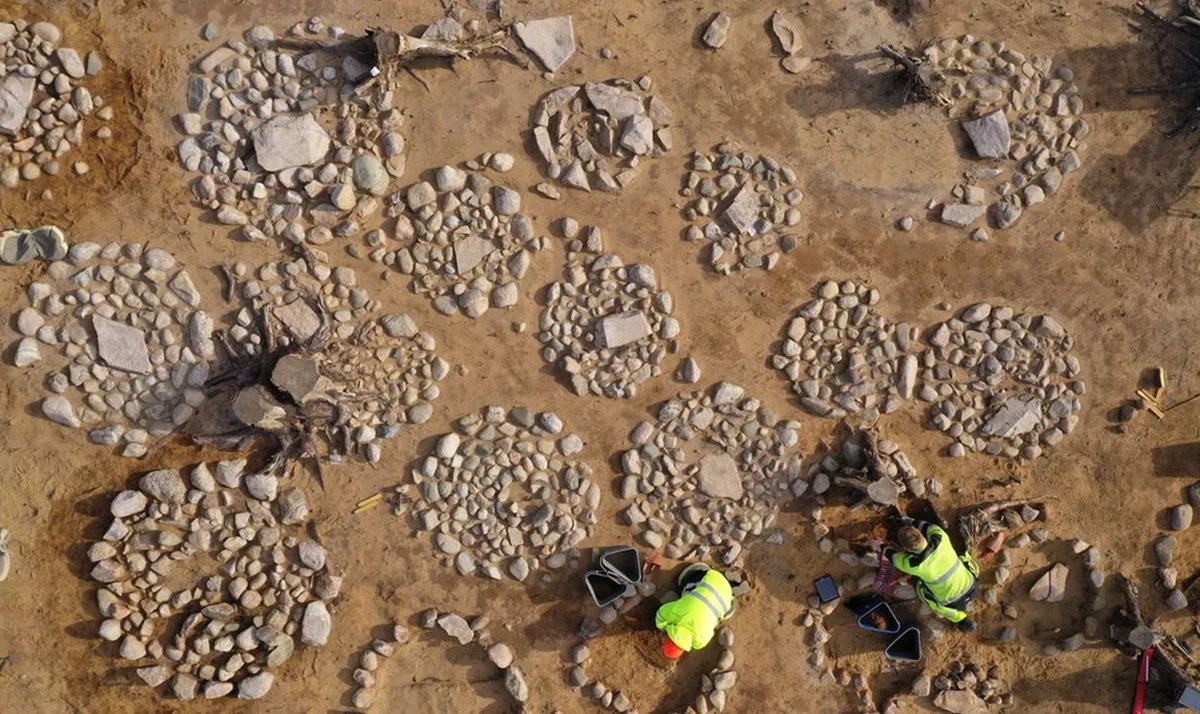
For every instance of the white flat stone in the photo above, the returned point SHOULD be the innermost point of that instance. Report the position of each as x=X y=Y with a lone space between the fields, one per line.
x=121 y=346
x=619 y=330
x=551 y=40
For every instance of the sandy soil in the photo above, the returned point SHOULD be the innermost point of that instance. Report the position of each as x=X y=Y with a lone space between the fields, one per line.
x=1123 y=283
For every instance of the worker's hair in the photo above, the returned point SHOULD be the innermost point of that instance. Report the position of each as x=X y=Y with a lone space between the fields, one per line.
x=909 y=539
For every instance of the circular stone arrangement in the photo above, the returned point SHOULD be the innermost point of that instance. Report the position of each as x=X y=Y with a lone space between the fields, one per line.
x=741 y=203
x=594 y=136
x=997 y=381
x=502 y=490
x=214 y=582
x=843 y=357
x=285 y=146
x=467 y=242
x=127 y=320
x=715 y=688
x=43 y=103
x=1028 y=111
x=374 y=374
x=607 y=325
x=1002 y=382
x=709 y=475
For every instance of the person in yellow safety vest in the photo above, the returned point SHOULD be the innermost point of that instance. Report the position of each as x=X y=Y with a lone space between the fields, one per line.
x=948 y=581
x=705 y=600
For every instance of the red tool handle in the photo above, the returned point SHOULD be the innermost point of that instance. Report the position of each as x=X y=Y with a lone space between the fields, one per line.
x=1139 y=694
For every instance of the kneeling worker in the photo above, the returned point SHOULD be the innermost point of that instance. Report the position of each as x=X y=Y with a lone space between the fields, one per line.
x=705 y=600
x=947 y=580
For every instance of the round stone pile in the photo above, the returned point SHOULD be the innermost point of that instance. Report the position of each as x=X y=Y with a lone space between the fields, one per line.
x=607 y=325
x=1040 y=125
x=375 y=374
x=466 y=242
x=997 y=381
x=965 y=681
x=501 y=494
x=716 y=685
x=45 y=105
x=130 y=339
x=844 y=358
x=211 y=583
x=709 y=475
x=285 y=146
x=1002 y=382
x=742 y=207
x=594 y=136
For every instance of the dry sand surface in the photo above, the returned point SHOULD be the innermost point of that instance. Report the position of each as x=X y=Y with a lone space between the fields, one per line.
x=1123 y=283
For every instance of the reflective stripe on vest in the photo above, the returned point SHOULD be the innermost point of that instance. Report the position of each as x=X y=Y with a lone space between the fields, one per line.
x=695 y=592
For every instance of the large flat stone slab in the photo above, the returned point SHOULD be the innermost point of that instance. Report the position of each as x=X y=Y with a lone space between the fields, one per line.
x=718 y=477
x=615 y=102
x=300 y=319
x=624 y=328
x=551 y=40
x=121 y=346
x=1016 y=416
x=742 y=211
x=16 y=93
x=471 y=251
x=989 y=134
x=289 y=140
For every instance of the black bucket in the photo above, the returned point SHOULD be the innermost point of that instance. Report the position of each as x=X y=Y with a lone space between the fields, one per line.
x=906 y=646
x=862 y=603
x=623 y=564
x=603 y=587
x=883 y=611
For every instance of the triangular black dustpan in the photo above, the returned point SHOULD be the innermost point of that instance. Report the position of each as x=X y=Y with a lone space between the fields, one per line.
x=906 y=646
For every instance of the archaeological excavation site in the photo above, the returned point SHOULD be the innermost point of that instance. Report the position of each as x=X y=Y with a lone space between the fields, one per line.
x=555 y=357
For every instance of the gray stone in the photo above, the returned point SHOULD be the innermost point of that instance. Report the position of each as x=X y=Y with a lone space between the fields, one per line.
x=742 y=212
x=689 y=371
x=1051 y=586
x=164 y=485
x=300 y=319
x=297 y=377
x=960 y=215
x=57 y=409
x=1176 y=600
x=505 y=201
x=960 y=701
x=456 y=627
x=616 y=102
x=501 y=655
x=514 y=682
x=1016 y=416
x=638 y=135
x=16 y=94
x=399 y=326
x=470 y=252
x=786 y=33
x=622 y=329
x=717 y=30
x=128 y=503
x=256 y=686
x=1164 y=549
x=369 y=174
x=1181 y=517
x=316 y=624
x=718 y=477
x=551 y=40
x=288 y=140
x=989 y=134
